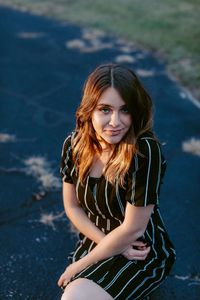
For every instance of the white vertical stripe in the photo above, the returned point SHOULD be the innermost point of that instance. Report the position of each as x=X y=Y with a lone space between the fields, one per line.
x=153 y=237
x=77 y=186
x=106 y=197
x=163 y=247
x=72 y=171
x=83 y=254
x=81 y=244
x=108 y=225
x=134 y=180
x=96 y=204
x=65 y=161
x=159 y=171
x=97 y=221
x=85 y=196
x=148 y=172
x=161 y=218
x=67 y=138
x=161 y=229
x=91 y=245
x=119 y=199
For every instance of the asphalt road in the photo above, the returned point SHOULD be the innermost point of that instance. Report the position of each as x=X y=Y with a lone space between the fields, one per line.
x=43 y=65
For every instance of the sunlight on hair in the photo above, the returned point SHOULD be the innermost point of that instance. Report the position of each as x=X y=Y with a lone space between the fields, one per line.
x=39 y=168
x=192 y=146
x=5 y=138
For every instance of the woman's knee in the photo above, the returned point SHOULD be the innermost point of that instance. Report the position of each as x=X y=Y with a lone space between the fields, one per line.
x=72 y=291
x=84 y=289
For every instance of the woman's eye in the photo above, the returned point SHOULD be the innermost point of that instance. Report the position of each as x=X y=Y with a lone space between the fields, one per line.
x=105 y=110
x=125 y=110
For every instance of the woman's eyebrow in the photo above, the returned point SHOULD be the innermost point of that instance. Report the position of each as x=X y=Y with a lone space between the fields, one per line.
x=108 y=105
x=104 y=104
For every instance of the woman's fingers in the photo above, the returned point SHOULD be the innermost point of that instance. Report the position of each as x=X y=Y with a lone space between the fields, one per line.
x=139 y=244
x=141 y=253
x=61 y=280
x=137 y=254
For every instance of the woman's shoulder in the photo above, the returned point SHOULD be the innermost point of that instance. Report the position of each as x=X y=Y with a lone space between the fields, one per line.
x=67 y=144
x=67 y=165
x=148 y=143
x=149 y=150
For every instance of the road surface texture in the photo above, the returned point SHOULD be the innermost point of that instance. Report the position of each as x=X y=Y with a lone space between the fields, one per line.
x=43 y=65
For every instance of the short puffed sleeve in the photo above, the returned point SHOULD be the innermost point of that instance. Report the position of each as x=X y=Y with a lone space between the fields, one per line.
x=146 y=175
x=66 y=164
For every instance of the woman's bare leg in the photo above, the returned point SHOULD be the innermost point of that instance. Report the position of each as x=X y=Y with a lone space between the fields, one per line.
x=84 y=289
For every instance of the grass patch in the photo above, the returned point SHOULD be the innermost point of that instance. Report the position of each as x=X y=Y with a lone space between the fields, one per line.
x=170 y=27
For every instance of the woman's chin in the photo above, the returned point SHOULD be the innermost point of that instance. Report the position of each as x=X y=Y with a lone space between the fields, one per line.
x=113 y=139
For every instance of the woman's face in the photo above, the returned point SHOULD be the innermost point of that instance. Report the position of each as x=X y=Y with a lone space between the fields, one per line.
x=111 y=119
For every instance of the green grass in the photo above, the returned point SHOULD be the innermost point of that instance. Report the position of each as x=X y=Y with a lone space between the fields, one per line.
x=171 y=28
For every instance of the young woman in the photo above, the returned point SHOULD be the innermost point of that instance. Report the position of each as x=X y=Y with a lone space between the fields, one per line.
x=112 y=168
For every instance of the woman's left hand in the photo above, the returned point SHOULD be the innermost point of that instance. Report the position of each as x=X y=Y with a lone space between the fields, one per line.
x=69 y=272
x=137 y=251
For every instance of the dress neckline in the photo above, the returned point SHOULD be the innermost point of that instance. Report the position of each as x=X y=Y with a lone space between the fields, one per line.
x=94 y=178
x=93 y=181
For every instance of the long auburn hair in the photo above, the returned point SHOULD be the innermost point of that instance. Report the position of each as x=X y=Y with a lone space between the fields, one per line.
x=85 y=144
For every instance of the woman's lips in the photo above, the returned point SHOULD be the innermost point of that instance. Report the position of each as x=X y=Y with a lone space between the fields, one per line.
x=113 y=132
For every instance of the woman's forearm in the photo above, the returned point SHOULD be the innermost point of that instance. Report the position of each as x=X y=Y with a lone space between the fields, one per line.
x=77 y=216
x=116 y=242
x=112 y=244
x=81 y=221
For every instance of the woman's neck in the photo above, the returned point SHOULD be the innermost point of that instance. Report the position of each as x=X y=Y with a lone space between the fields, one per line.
x=99 y=163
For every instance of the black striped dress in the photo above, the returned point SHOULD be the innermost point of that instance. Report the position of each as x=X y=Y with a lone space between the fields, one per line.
x=105 y=204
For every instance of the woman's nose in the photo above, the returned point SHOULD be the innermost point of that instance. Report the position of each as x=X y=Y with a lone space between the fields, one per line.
x=114 y=119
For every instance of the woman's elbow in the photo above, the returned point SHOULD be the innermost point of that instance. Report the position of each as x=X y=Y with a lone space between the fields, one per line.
x=133 y=233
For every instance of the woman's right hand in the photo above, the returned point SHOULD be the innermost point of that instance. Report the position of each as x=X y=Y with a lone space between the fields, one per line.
x=137 y=254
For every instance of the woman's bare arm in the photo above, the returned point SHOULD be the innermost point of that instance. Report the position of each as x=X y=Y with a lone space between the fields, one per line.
x=115 y=242
x=81 y=221
x=118 y=240
x=77 y=216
